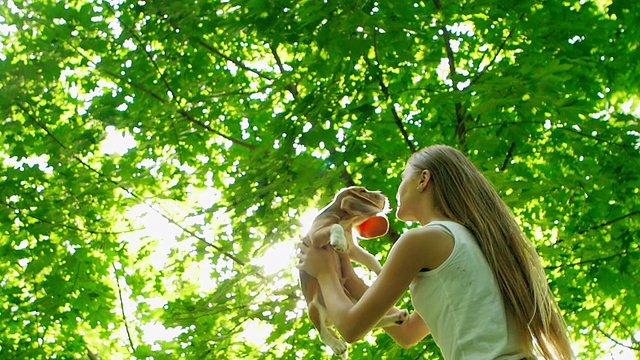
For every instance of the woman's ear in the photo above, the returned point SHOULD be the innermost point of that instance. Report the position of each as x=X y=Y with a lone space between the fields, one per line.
x=425 y=177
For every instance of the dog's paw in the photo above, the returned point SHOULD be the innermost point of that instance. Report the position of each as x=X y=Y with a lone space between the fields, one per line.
x=397 y=317
x=330 y=338
x=340 y=348
x=337 y=238
x=402 y=316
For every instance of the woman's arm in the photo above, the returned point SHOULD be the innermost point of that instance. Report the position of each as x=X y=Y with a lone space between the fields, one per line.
x=406 y=335
x=410 y=332
x=354 y=285
x=412 y=252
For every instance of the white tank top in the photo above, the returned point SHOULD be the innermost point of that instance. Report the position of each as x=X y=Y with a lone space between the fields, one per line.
x=461 y=303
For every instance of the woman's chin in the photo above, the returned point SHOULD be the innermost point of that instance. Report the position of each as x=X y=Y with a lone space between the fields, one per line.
x=400 y=216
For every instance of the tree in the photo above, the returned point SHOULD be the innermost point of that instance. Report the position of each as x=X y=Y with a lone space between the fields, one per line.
x=156 y=155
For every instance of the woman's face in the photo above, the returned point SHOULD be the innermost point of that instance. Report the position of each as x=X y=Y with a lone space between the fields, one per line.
x=408 y=194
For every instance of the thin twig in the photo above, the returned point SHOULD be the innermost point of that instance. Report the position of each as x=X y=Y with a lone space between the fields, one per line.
x=610 y=222
x=495 y=56
x=424 y=351
x=277 y=58
x=590 y=261
x=124 y=316
x=235 y=62
x=37 y=312
x=630 y=347
x=509 y=156
x=91 y=355
x=624 y=327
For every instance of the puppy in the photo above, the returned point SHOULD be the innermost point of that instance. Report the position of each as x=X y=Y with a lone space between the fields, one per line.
x=354 y=208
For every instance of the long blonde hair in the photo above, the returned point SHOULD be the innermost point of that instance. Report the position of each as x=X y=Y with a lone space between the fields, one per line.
x=464 y=195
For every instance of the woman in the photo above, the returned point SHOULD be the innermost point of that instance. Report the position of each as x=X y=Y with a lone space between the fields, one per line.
x=477 y=284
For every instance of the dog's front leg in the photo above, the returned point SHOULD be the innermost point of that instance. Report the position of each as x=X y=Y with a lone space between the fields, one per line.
x=365 y=258
x=321 y=232
x=338 y=238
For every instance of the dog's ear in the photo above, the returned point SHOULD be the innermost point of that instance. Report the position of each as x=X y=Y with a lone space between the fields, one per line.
x=355 y=205
x=373 y=227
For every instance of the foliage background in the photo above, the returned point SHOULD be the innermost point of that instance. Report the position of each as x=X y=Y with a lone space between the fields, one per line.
x=159 y=159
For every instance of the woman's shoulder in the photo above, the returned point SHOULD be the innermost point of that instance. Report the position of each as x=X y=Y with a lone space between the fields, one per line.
x=425 y=234
x=456 y=230
x=433 y=243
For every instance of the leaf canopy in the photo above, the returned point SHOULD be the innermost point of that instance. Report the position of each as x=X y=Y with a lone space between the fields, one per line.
x=160 y=160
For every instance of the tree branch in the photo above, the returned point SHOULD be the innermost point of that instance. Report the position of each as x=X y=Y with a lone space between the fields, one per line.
x=277 y=58
x=70 y=227
x=495 y=56
x=450 y=58
x=40 y=125
x=215 y=51
x=235 y=62
x=193 y=120
x=292 y=88
x=136 y=196
x=589 y=136
x=385 y=91
x=181 y=111
x=134 y=85
x=153 y=62
x=460 y=113
x=610 y=222
x=422 y=89
x=563 y=128
x=481 y=126
x=91 y=355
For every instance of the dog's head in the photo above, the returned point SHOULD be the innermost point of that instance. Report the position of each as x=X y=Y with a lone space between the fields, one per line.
x=366 y=209
x=358 y=201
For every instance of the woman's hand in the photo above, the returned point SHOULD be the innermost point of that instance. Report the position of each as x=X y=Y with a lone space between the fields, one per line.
x=317 y=262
